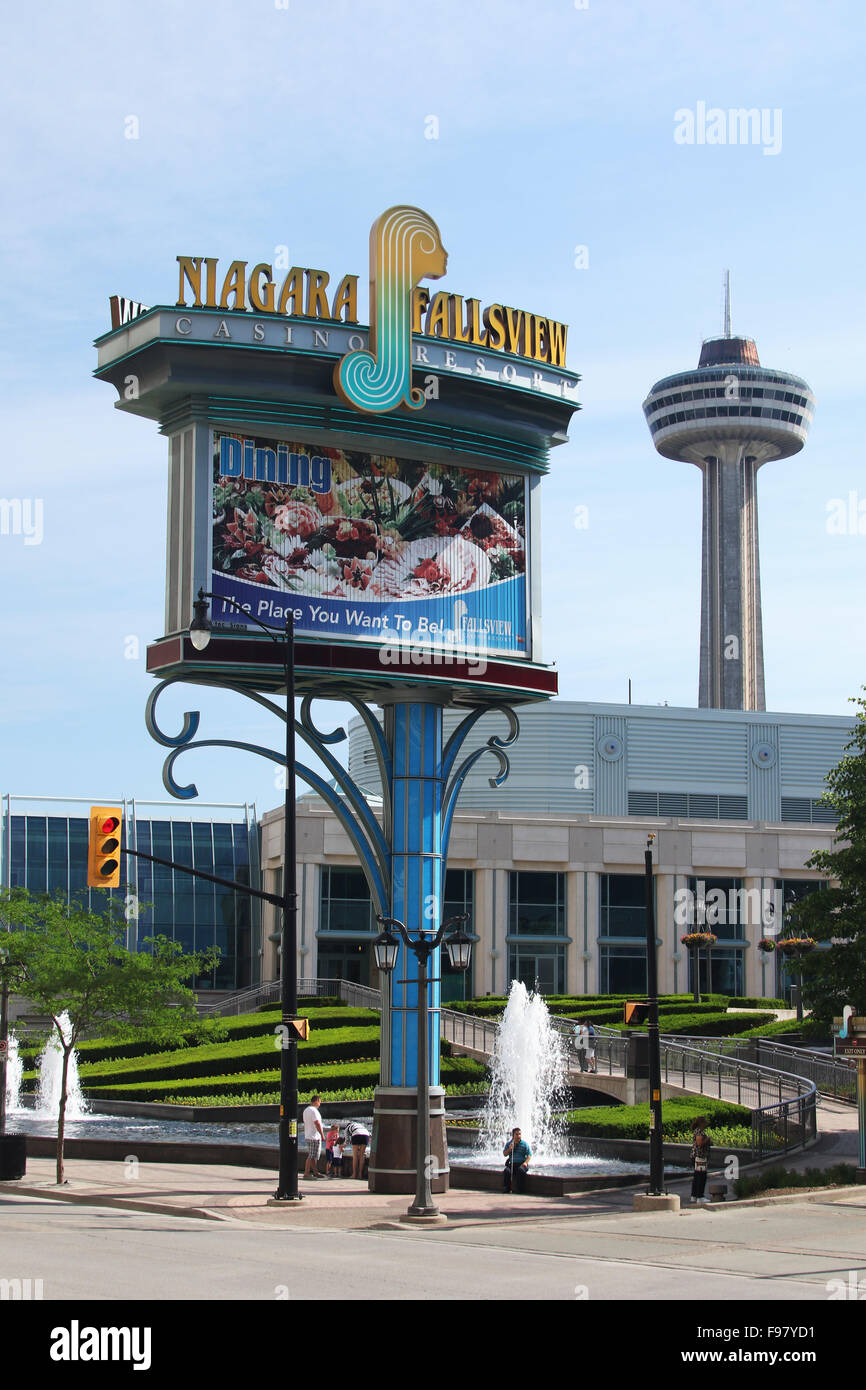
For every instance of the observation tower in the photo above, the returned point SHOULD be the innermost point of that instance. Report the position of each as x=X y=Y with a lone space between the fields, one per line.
x=729 y=417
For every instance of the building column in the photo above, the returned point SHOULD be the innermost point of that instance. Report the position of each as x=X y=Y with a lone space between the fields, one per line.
x=664 y=931
x=592 y=896
x=498 y=966
x=574 y=922
x=483 y=900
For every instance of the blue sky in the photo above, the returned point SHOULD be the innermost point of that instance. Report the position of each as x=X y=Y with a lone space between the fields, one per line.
x=260 y=126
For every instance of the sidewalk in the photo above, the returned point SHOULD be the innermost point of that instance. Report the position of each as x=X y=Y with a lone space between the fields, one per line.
x=224 y=1193
x=235 y=1193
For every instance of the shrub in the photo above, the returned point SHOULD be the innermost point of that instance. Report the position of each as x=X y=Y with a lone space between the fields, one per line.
x=345 y=1075
x=712 y=1025
x=213 y=1031
x=632 y=1121
x=840 y=1175
x=247 y=1054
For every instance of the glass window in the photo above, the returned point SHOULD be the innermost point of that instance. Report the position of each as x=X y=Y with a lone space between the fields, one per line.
x=721 y=906
x=537 y=904
x=722 y=973
x=346 y=905
x=623 y=970
x=37 y=876
x=623 y=906
x=541 y=966
x=457 y=899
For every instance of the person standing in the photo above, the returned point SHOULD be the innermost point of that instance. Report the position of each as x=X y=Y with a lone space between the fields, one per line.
x=314 y=1134
x=517 y=1155
x=579 y=1031
x=700 y=1158
x=358 y=1135
x=590 y=1047
x=331 y=1138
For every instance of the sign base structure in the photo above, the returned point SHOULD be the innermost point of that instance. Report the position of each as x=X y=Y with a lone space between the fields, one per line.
x=392 y=1154
x=403 y=851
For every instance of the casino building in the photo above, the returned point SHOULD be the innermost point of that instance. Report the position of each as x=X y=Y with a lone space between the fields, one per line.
x=550 y=864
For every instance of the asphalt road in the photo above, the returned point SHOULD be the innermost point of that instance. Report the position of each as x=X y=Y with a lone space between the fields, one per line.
x=787 y=1252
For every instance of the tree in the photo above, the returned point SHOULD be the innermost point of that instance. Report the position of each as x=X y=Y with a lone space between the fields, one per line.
x=73 y=961
x=836 y=975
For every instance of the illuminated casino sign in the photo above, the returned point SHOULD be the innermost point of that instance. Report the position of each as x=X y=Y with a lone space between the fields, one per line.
x=384 y=549
x=379 y=481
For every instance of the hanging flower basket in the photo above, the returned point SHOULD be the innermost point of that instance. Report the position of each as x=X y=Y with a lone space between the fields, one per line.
x=698 y=938
x=797 y=945
x=766 y=944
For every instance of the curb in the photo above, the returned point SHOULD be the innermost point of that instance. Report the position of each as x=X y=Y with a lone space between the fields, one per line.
x=98 y=1199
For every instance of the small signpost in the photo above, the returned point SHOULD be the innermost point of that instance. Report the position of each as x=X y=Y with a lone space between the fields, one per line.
x=850 y=1041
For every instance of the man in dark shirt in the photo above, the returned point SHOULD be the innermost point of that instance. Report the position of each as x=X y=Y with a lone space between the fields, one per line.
x=517 y=1155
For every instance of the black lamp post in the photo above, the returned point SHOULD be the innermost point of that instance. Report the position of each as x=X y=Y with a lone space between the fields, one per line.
x=200 y=634
x=653 y=1039
x=386 y=949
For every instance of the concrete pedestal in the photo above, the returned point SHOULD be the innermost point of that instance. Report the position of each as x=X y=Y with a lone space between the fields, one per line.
x=646 y=1201
x=392 y=1152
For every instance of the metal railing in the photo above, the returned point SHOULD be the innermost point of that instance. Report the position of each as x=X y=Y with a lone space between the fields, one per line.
x=783 y=1105
x=831 y=1076
x=248 y=1000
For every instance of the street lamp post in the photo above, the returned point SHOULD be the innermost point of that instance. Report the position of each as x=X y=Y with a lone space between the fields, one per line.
x=653 y=1040
x=386 y=949
x=200 y=634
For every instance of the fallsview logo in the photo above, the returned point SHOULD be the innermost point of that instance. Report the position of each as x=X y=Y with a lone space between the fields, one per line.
x=77 y=1343
x=405 y=247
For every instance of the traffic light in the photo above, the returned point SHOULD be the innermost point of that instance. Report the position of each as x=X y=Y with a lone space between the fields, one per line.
x=103 y=851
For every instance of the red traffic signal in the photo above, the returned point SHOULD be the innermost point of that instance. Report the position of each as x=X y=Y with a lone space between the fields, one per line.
x=103 y=848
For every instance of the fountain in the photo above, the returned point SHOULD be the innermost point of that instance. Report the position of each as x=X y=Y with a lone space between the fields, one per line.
x=529 y=1077
x=50 y=1073
x=14 y=1070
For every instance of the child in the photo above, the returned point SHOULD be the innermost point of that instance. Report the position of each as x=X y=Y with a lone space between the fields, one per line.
x=700 y=1158
x=333 y=1151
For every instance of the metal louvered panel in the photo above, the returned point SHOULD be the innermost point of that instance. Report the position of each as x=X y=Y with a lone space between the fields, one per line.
x=688 y=750
x=733 y=808
x=808 y=752
x=643 y=803
x=797 y=808
x=673 y=804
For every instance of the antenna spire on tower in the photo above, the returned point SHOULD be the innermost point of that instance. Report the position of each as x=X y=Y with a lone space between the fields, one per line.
x=727 y=328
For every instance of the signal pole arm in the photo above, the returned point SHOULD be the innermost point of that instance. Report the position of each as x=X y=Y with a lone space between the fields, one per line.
x=211 y=878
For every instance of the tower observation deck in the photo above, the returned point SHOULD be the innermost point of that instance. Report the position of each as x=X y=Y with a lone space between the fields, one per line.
x=728 y=418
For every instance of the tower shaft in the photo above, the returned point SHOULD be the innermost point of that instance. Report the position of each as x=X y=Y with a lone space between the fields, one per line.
x=732 y=649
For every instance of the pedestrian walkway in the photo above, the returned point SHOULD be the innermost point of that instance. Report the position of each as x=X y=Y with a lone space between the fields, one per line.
x=234 y=1193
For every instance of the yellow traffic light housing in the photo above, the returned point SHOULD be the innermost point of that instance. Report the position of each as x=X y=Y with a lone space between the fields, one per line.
x=103 y=850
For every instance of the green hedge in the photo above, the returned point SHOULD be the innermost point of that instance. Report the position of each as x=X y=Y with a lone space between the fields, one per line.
x=246 y=1054
x=704 y=1025
x=809 y=1031
x=343 y=1076
x=632 y=1121
x=840 y=1175
x=253 y=1025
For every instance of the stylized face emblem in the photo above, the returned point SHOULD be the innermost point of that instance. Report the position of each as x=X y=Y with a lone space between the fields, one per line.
x=405 y=247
